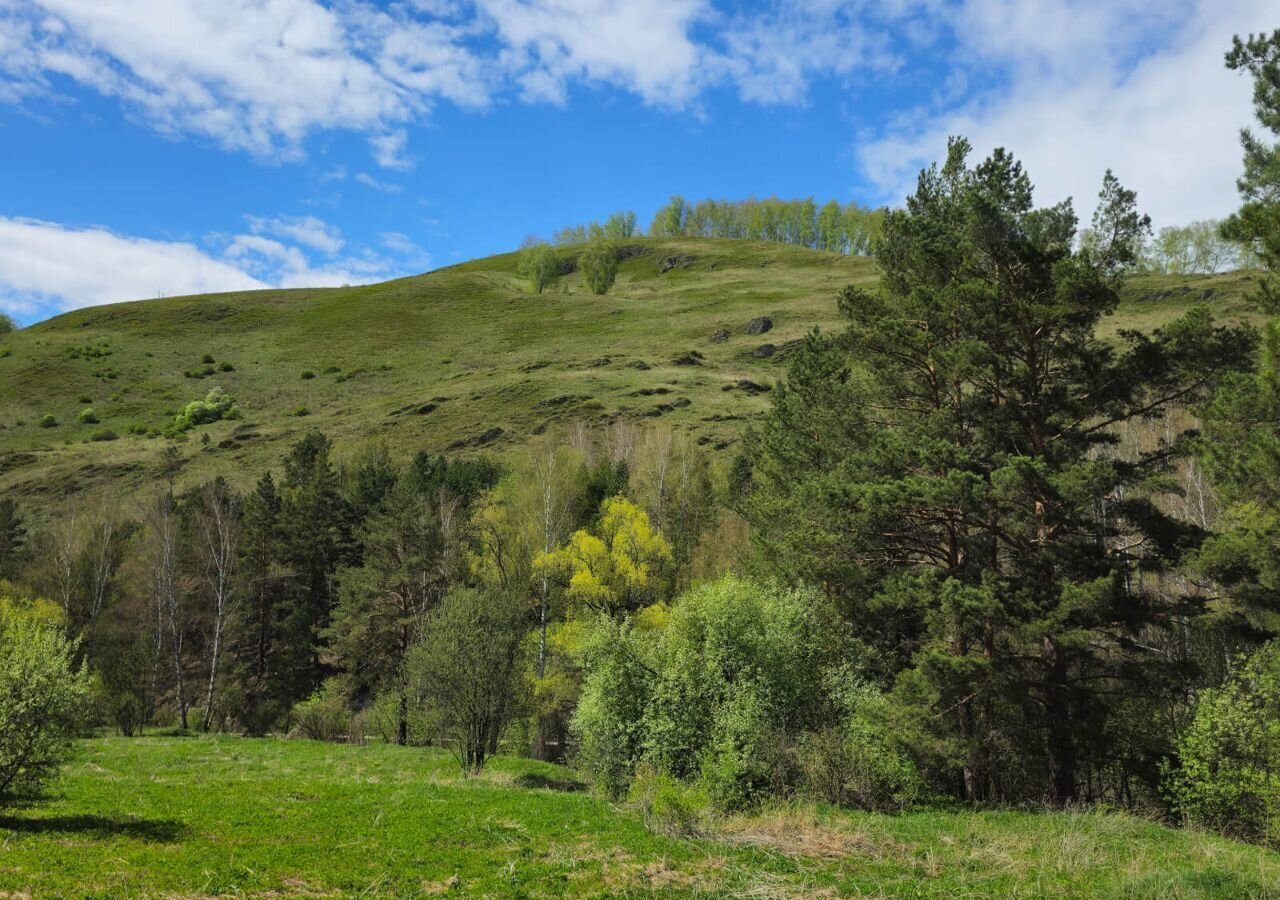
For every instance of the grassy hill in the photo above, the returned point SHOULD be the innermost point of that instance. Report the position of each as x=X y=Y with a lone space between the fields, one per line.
x=183 y=816
x=459 y=358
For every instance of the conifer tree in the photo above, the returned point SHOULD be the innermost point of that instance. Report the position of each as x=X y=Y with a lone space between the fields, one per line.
x=940 y=468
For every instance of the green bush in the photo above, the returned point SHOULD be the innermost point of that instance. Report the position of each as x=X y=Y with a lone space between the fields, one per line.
x=216 y=405
x=308 y=375
x=539 y=264
x=324 y=716
x=226 y=367
x=88 y=417
x=1228 y=777
x=43 y=699
x=609 y=719
x=48 y=421
x=468 y=668
x=599 y=265
x=747 y=694
x=668 y=805
x=85 y=399
x=207 y=359
x=7 y=325
x=300 y=411
x=104 y=434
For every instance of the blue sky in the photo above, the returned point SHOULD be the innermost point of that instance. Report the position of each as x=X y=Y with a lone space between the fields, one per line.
x=180 y=146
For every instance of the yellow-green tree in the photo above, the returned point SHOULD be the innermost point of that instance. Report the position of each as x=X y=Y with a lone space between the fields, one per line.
x=612 y=570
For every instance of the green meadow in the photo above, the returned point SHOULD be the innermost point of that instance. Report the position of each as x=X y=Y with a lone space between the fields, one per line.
x=226 y=816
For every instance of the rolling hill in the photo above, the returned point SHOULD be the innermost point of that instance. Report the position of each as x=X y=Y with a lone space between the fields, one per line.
x=694 y=333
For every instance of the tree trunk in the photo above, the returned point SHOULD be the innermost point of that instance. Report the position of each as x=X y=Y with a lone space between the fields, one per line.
x=1062 y=751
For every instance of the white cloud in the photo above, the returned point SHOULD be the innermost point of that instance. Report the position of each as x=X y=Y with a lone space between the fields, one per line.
x=1088 y=94
x=389 y=149
x=643 y=46
x=308 y=230
x=370 y=182
x=773 y=57
x=45 y=265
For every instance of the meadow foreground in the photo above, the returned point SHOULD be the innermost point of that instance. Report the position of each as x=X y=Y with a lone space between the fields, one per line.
x=187 y=816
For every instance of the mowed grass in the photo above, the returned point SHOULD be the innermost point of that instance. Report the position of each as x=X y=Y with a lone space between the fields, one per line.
x=463 y=358
x=166 y=816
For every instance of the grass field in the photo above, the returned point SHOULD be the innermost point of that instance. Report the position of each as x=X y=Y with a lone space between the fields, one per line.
x=191 y=817
x=461 y=358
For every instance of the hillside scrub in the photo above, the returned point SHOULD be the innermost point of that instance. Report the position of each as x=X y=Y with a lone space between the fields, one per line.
x=216 y=406
x=599 y=265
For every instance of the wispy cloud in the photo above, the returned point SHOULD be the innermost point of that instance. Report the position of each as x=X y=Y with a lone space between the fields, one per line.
x=48 y=267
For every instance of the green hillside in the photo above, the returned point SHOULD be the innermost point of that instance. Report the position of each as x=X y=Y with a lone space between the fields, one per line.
x=463 y=357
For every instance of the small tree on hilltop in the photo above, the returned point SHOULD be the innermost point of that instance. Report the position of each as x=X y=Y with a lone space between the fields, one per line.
x=539 y=264
x=599 y=264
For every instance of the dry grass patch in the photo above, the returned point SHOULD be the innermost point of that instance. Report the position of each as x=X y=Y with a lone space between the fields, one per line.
x=798 y=831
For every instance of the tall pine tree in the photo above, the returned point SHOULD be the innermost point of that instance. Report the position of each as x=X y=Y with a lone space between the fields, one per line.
x=942 y=468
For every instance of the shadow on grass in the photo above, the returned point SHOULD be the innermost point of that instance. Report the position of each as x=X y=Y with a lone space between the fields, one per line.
x=161 y=831
x=546 y=782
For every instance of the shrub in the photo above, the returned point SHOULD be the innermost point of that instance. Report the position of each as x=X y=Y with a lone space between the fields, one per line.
x=599 y=265
x=7 y=325
x=539 y=264
x=207 y=359
x=216 y=405
x=468 y=667
x=85 y=398
x=300 y=411
x=43 y=699
x=226 y=367
x=667 y=805
x=609 y=719
x=743 y=678
x=48 y=421
x=324 y=715
x=104 y=434
x=308 y=375
x=88 y=417
x=1229 y=773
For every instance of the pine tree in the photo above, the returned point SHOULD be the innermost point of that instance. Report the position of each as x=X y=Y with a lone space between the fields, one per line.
x=940 y=468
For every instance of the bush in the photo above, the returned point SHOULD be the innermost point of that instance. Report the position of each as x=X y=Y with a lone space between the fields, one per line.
x=301 y=411
x=324 y=716
x=207 y=359
x=308 y=375
x=104 y=434
x=539 y=264
x=216 y=405
x=48 y=421
x=1228 y=777
x=7 y=325
x=599 y=265
x=667 y=805
x=737 y=695
x=43 y=699
x=88 y=417
x=468 y=668
x=609 y=718
x=226 y=367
